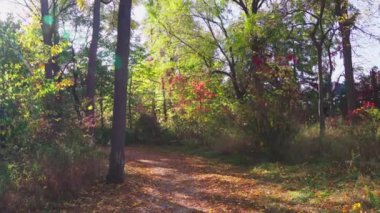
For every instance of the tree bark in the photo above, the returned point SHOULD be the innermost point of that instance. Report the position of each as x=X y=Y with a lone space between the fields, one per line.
x=101 y=108
x=250 y=10
x=330 y=83
x=321 y=113
x=348 y=70
x=318 y=42
x=49 y=25
x=47 y=33
x=55 y=41
x=91 y=73
x=116 y=166
x=77 y=104
x=164 y=105
x=345 y=25
x=130 y=116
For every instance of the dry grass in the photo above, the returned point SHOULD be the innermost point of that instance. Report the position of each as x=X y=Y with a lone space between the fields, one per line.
x=55 y=176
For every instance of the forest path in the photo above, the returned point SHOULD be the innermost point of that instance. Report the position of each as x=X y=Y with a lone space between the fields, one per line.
x=159 y=181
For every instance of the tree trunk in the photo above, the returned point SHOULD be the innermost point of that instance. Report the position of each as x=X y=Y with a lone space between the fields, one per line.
x=55 y=41
x=318 y=42
x=238 y=91
x=116 y=166
x=164 y=105
x=153 y=113
x=101 y=108
x=53 y=103
x=345 y=25
x=91 y=78
x=321 y=113
x=130 y=118
x=330 y=83
x=77 y=104
x=47 y=33
x=348 y=70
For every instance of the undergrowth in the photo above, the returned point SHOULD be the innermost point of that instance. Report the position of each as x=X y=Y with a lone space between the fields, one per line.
x=39 y=173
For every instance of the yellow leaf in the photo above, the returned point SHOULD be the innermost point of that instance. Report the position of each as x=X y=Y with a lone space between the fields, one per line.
x=81 y=4
x=356 y=207
x=42 y=66
x=56 y=49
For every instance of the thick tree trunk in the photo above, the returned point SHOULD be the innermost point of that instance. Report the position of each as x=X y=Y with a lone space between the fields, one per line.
x=116 y=166
x=238 y=91
x=348 y=70
x=345 y=24
x=91 y=78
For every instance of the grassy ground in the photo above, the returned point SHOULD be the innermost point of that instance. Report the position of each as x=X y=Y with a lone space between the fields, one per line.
x=181 y=179
x=319 y=183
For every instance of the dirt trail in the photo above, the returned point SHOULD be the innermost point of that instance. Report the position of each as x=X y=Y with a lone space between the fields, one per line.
x=157 y=181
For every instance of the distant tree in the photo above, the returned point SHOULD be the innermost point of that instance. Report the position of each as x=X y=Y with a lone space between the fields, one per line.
x=91 y=73
x=50 y=11
x=321 y=27
x=116 y=166
x=92 y=64
x=318 y=35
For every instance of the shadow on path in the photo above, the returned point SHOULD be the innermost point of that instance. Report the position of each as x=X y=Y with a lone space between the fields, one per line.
x=172 y=182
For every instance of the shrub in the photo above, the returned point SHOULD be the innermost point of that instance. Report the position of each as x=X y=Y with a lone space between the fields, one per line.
x=43 y=170
x=343 y=142
x=147 y=128
x=103 y=136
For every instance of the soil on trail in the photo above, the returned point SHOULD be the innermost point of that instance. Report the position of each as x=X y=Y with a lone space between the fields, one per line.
x=158 y=181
